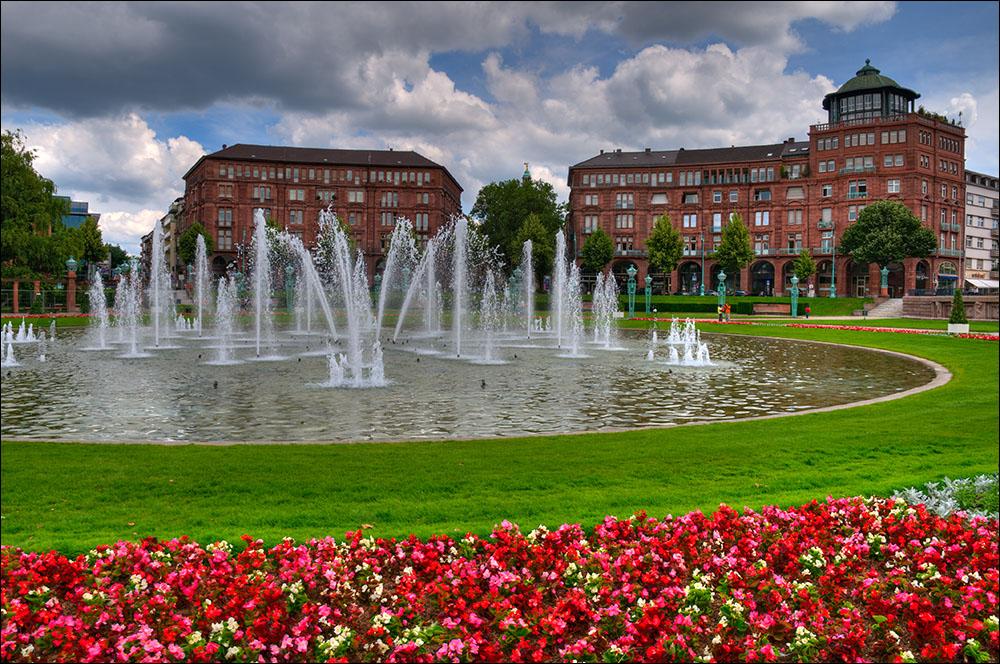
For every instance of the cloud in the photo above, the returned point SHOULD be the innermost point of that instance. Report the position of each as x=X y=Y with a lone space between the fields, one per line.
x=317 y=57
x=126 y=228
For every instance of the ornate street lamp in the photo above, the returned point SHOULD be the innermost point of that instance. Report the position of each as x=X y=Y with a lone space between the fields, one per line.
x=884 y=288
x=722 y=292
x=833 y=270
x=795 y=296
x=701 y=288
x=649 y=292
x=631 y=290
x=378 y=282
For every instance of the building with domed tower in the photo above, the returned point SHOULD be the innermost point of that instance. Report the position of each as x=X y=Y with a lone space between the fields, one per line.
x=792 y=195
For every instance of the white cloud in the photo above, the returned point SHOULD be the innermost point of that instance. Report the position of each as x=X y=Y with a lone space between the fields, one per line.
x=126 y=228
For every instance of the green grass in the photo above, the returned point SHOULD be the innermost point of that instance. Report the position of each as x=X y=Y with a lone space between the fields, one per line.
x=71 y=497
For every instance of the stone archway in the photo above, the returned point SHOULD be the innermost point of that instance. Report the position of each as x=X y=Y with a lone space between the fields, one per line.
x=897 y=280
x=689 y=277
x=922 y=279
x=732 y=280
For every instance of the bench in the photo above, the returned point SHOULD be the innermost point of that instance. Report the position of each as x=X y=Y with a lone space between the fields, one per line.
x=781 y=308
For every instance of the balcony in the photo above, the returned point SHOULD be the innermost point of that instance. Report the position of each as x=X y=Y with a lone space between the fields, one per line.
x=857 y=194
x=765 y=252
x=715 y=229
x=624 y=206
x=952 y=253
x=788 y=251
x=630 y=253
x=859 y=169
x=995 y=212
x=948 y=226
x=825 y=225
x=697 y=253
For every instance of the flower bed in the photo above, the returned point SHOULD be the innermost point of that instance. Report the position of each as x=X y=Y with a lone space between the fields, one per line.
x=849 y=579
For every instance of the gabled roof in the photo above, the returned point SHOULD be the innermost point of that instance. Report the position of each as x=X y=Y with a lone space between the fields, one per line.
x=323 y=157
x=682 y=157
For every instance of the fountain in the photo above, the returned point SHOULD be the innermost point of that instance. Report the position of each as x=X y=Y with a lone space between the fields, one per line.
x=400 y=259
x=686 y=348
x=528 y=284
x=556 y=301
x=227 y=303
x=262 y=288
x=201 y=277
x=99 y=321
x=9 y=360
x=128 y=312
x=605 y=305
x=161 y=309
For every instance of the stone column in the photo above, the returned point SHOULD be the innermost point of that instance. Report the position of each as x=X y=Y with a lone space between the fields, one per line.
x=15 y=298
x=71 y=292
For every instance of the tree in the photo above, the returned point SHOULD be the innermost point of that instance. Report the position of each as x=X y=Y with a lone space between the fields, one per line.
x=543 y=249
x=597 y=251
x=33 y=236
x=887 y=232
x=117 y=254
x=187 y=245
x=735 y=251
x=93 y=248
x=957 y=308
x=665 y=245
x=803 y=266
x=504 y=206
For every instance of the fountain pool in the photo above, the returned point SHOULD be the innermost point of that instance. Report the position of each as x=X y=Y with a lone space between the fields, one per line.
x=176 y=395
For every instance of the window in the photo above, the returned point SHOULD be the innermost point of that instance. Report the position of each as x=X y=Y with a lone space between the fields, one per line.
x=296 y=194
x=691 y=198
x=762 y=218
x=853 y=211
x=623 y=243
x=589 y=223
x=388 y=218
x=225 y=241
x=923 y=186
x=624 y=221
x=762 y=194
x=590 y=199
x=690 y=221
x=734 y=196
x=624 y=201
x=659 y=199
x=295 y=216
x=795 y=192
x=893 y=187
x=225 y=217
x=826 y=214
x=356 y=197
x=794 y=217
x=857 y=189
x=225 y=191
x=716 y=196
x=390 y=199
x=827 y=190
x=717 y=222
x=795 y=241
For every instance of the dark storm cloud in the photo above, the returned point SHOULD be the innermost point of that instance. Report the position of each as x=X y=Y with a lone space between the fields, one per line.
x=89 y=59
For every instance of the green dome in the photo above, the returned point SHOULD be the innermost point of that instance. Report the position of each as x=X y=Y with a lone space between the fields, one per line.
x=868 y=78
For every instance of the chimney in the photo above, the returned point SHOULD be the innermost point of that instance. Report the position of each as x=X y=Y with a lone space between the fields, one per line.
x=602 y=151
x=647 y=149
x=223 y=146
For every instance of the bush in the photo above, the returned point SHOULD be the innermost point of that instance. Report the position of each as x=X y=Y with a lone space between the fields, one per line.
x=957 y=309
x=38 y=304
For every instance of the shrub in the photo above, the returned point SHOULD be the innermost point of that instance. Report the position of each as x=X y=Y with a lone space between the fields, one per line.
x=957 y=309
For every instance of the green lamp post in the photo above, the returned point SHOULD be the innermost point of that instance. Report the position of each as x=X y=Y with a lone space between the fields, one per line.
x=649 y=292
x=631 y=290
x=722 y=292
x=795 y=296
x=833 y=271
x=378 y=282
x=289 y=287
x=884 y=288
x=515 y=289
x=701 y=287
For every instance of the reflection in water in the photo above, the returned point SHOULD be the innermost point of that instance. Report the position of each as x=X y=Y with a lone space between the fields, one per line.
x=96 y=396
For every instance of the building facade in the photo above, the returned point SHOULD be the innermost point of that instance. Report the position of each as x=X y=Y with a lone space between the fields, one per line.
x=982 y=213
x=369 y=190
x=792 y=196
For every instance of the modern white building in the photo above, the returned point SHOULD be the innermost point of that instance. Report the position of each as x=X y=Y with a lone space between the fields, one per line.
x=982 y=212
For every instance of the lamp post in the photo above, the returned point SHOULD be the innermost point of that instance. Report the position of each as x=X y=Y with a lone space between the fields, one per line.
x=884 y=288
x=833 y=270
x=515 y=289
x=71 y=286
x=701 y=289
x=795 y=296
x=378 y=282
x=722 y=292
x=631 y=290
x=649 y=292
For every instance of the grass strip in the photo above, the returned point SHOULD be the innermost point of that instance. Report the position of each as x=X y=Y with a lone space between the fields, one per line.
x=73 y=496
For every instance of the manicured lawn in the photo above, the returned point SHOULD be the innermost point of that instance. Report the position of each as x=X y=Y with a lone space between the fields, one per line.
x=72 y=497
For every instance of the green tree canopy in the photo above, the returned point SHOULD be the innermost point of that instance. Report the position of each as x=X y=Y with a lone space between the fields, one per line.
x=543 y=247
x=503 y=207
x=187 y=245
x=887 y=232
x=93 y=249
x=665 y=245
x=117 y=254
x=597 y=251
x=803 y=266
x=735 y=250
x=33 y=240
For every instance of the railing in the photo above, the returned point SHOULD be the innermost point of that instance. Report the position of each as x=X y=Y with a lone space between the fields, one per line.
x=624 y=206
x=857 y=122
x=630 y=253
x=825 y=225
x=954 y=253
x=856 y=195
x=949 y=226
x=788 y=251
x=859 y=169
x=715 y=229
x=693 y=252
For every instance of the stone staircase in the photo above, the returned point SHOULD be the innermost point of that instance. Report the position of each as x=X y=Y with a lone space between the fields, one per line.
x=890 y=308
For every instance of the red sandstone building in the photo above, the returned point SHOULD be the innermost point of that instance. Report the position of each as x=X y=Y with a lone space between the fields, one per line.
x=791 y=195
x=368 y=189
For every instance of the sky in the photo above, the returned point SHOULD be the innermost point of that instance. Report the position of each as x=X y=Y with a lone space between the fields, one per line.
x=120 y=99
